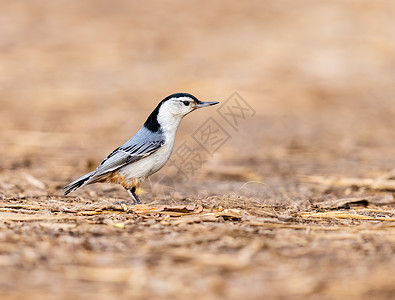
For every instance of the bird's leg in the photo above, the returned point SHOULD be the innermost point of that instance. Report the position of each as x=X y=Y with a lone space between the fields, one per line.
x=133 y=194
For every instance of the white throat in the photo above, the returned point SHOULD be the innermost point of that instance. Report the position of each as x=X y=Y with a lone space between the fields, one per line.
x=168 y=122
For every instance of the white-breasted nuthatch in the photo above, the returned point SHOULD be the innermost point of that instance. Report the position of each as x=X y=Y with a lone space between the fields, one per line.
x=146 y=152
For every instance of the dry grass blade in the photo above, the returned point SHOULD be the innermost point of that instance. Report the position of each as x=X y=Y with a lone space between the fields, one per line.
x=167 y=210
x=374 y=184
x=388 y=175
x=343 y=203
x=34 y=181
x=99 y=274
x=341 y=215
x=23 y=217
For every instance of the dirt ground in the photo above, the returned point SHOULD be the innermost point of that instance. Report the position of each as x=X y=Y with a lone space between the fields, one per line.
x=283 y=191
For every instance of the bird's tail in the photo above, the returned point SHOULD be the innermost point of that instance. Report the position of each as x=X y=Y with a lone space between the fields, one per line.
x=76 y=184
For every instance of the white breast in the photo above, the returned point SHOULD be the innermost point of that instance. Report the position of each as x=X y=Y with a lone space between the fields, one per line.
x=147 y=166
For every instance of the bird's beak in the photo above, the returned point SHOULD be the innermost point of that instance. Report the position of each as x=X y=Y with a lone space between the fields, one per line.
x=204 y=104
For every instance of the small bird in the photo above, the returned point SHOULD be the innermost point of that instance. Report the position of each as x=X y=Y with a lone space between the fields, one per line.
x=146 y=152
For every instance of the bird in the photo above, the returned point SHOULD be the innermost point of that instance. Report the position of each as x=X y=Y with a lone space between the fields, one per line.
x=147 y=151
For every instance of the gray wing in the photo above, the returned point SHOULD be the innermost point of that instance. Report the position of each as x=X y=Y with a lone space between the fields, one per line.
x=143 y=144
x=127 y=154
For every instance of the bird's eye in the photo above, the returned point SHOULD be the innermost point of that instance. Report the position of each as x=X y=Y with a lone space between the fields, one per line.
x=186 y=103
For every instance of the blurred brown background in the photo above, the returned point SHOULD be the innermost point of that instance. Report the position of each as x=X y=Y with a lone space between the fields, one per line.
x=78 y=78
x=85 y=75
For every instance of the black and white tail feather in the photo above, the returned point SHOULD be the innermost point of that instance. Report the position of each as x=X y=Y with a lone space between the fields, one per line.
x=76 y=184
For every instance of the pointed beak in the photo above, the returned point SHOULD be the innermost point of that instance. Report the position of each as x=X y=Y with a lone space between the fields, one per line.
x=205 y=104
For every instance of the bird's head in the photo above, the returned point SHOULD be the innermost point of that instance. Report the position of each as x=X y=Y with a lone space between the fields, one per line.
x=181 y=104
x=172 y=109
